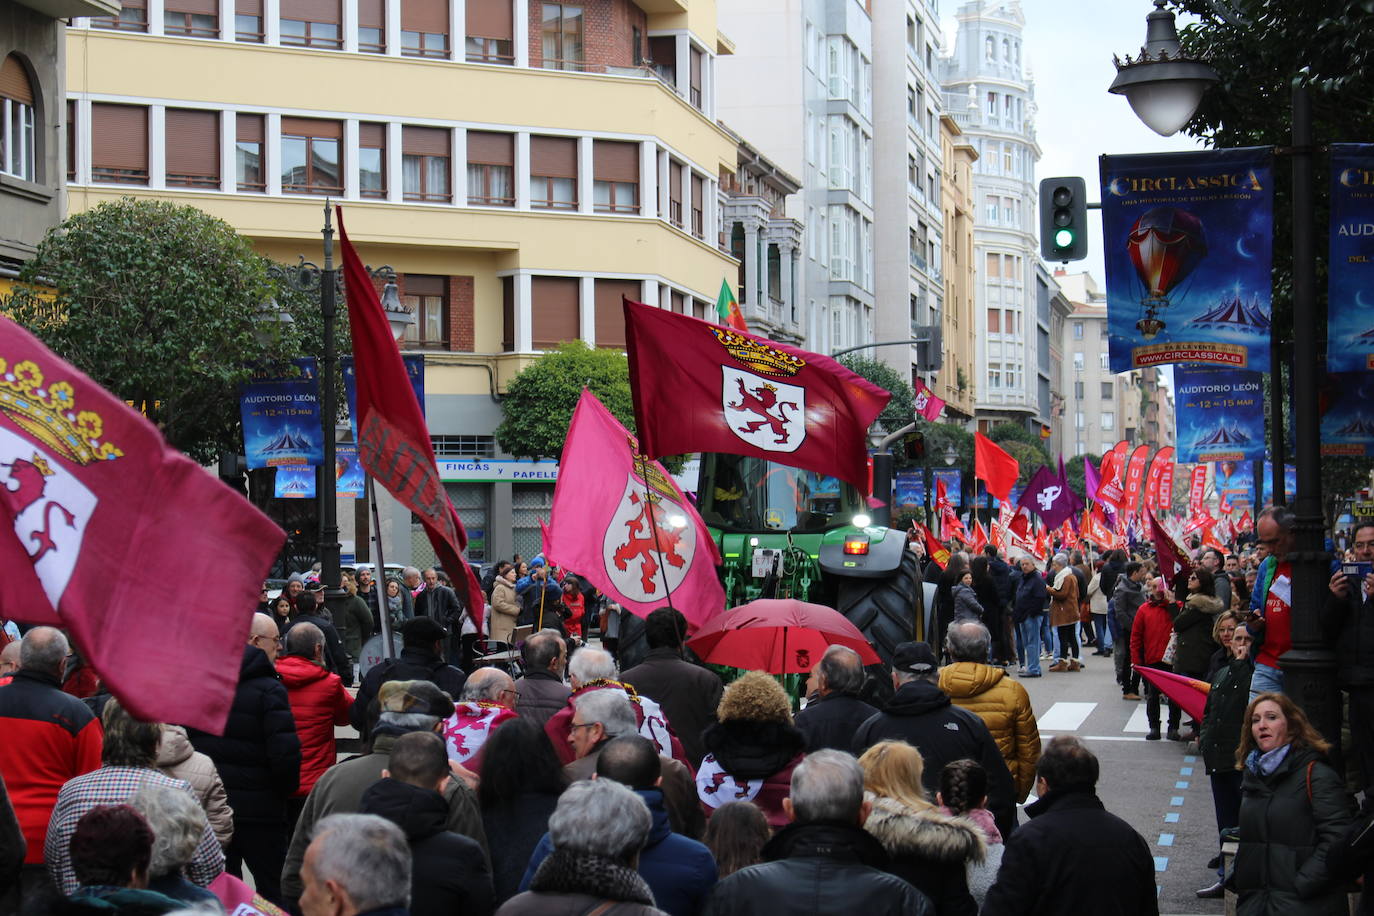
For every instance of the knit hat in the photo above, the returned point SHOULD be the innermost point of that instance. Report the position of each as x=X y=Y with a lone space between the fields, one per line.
x=295 y=577
x=536 y=562
x=415 y=697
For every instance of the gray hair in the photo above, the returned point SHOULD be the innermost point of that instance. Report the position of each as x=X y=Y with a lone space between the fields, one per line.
x=43 y=649
x=367 y=856
x=968 y=641
x=485 y=684
x=828 y=786
x=178 y=823
x=611 y=707
x=842 y=669
x=409 y=570
x=1061 y=559
x=1281 y=516
x=303 y=638
x=600 y=817
x=542 y=648
x=591 y=664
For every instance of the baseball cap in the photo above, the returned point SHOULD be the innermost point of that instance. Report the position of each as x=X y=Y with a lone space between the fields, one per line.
x=423 y=630
x=421 y=697
x=914 y=658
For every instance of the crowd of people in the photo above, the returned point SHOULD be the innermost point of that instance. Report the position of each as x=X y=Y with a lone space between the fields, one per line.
x=608 y=781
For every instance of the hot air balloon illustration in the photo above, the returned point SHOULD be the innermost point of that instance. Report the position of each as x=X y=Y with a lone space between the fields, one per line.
x=1165 y=245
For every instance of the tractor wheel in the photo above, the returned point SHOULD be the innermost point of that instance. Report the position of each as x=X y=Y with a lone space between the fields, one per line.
x=885 y=610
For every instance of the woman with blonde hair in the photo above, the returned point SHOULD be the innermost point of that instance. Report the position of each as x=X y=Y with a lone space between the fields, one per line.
x=928 y=849
x=752 y=748
x=1293 y=810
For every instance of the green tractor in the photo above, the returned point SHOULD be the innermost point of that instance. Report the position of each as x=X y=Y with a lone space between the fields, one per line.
x=784 y=532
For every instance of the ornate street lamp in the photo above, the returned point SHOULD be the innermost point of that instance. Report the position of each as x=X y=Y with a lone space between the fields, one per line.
x=1163 y=85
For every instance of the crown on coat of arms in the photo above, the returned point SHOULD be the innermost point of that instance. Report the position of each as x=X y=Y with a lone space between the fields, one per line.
x=659 y=483
x=49 y=413
x=759 y=356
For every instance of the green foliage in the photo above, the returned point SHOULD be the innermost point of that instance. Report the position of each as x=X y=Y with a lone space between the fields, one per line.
x=1073 y=469
x=540 y=401
x=155 y=302
x=900 y=409
x=1023 y=445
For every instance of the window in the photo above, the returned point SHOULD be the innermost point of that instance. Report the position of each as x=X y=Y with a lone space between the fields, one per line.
x=248 y=21
x=553 y=172
x=248 y=155
x=610 y=314
x=310 y=23
x=372 y=26
x=18 y=149
x=615 y=170
x=1080 y=448
x=427 y=299
x=1078 y=389
x=675 y=193
x=994 y=321
x=554 y=312
x=1108 y=420
x=694 y=78
x=1108 y=391
x=562 y=34
x=1078 y=361
x=490 y=33
x=994 y=377
x=424 y=28
x=119 y=143
x=70 y=128
x=197 y=18
x=491 y=169
x=698 y=215
x=994 y=266
x=310 y=156
x=1104 y=360
x=1078 y=420
x=1078 y=330
x=372 y=160
x=192 y=148
x=425 y=161
x=133 y=17
x=992 y=103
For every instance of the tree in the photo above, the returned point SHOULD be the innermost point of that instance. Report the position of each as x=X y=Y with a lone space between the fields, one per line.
x=159 y=303
x=900 y=410
x=1073 y=469
x=540 y=401
x=1023 y=445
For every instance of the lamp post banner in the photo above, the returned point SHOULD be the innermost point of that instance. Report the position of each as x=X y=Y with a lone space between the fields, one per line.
x=415 y=370
x=1234 y=482
x=281 y=417
x=1219 y=414
x=953 y=479
x=293 y=481
x=1188 y=239
x=1348 y=423
x=910 y=487
x=1350 y=271
x=1290 y=483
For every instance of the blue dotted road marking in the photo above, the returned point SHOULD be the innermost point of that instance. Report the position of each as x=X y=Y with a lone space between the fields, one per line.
x=1181 y=784
x=1190 y=759
x=1185 y=771
x=1171 y=817
x=1166 y=839
x=1161 y=863
x=1176 y=801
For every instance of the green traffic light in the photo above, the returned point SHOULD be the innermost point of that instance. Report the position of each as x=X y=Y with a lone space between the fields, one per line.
x=1063 y=238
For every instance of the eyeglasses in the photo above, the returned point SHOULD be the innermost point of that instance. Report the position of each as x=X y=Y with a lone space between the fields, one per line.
x=510 y=690
x=276 y=639
x=576 y=726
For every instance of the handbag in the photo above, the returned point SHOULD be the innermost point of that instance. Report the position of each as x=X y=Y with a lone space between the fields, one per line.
x=1170 y=650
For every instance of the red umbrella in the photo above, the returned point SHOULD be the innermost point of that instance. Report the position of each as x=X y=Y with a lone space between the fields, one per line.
x=779 y=636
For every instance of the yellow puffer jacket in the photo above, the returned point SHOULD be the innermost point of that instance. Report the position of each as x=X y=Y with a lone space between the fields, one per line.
x=1005 y=708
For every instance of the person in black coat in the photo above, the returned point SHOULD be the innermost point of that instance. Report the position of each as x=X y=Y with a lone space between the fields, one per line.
x=449 y=872
x=688 y=693
x=259 y=760
x=836 y=712
x=1074 y=856
x=521 y=782
x=922 y=715
x=421 y=660
x=990 y=598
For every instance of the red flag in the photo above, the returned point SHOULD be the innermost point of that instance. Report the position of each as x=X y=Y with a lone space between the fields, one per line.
x=1225 y=508
x=1165 y=495
x=1068 y=537
x=1188 y=692
x=994 y=467
x=1109 y=488
x=934 y=549
x=620 y=521
x=1020 y=524
x=1042 y=545
x=1202 y=520
x=1246 y=523
x=980 y=537
x=1135 y=476
x=1095 y=527
x=1151 y=487
x=1197 y=488
x=941 y=496
x=393 y=440
x=926 y=403
x=103 y=515
x=1172 y=561
x=698 y=387
x=1210 y=539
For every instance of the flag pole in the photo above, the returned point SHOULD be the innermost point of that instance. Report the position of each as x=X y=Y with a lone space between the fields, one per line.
x=379 y=581
x=643 y=462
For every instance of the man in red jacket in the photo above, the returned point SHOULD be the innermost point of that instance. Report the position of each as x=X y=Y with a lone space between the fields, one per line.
x=1154 y=624
x=318 y=702
x=49 y=738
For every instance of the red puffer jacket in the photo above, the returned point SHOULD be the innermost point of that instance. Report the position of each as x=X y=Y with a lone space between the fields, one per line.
x=1154 y=624
x=318 y=702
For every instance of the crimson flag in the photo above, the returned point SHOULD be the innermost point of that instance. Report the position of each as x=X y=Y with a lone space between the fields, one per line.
x=393 y=440
x=994 y=466
x=1135 y=477
x=934 y=548
x=698 y=387
x=1109 y=489
x=1188 y=692
x=1246 y=523
x=103 y=515
x=1020 y=522
x=980 y=537
x=1210 y=539
x=926 y=403
x=1172 y=561
x=1165 y=496
x=621 y=522
x=1197 y=488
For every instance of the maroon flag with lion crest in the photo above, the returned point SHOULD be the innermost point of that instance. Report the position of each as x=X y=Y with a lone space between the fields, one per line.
x=699 y=387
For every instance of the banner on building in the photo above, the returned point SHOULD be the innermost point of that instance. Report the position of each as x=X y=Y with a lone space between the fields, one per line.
x=1187 y=239
x=294 y=482
x=909 y=486
x=350 y=481
x=1350 y=270
x=953 y=478
x=1348 y=423
x=1218 y=414
x=1290 y=482
x=1235 y=483
x=415 y=371
x=281 y=417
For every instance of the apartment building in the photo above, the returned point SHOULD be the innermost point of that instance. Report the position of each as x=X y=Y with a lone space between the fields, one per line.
x=957 y=383
x=522 y=164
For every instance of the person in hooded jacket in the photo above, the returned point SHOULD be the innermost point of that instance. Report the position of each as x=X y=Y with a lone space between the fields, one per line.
x=752 y=747
x=1222 y=725
x=928 y=849
x=177 y=759
x=449 y=873
x=966 y=606
x=421 y=659
x=1028 y=613
x=1194 y=625
x=319 y=702
x=1128 y=595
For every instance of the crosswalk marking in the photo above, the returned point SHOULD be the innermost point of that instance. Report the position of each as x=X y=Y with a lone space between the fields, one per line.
x=1065 y=717
x=1137 y=722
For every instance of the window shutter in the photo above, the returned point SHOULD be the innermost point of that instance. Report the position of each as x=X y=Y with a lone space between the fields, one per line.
x=312 y=127
x=14 y=81
x=71 y=140
x=674 y=181
x=610 y=314
x=311 y=10
x=248 y=7
x=426 y=15
x=553 y=157
x=425 y=141
x=192 y=143
x=554 y=310
x=421 y=285
x=679 y=303
x=698 y=191
x=201 y=7
x=486 y=148
x=250 y=129
x=119 y=136
x=371 y=14
x=490 y=19
x=614 y=160
x=695 y=76
x=372 y=136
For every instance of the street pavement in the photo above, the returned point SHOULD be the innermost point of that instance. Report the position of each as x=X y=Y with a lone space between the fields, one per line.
x=1159 y=787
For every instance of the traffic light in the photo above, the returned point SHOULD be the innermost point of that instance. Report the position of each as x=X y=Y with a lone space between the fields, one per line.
x=1063 y=219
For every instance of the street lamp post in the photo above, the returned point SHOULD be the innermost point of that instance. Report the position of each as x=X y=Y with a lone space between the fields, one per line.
x=1156 y=86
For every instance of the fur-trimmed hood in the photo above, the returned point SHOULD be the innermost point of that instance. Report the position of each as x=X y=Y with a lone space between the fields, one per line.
x=930 y=835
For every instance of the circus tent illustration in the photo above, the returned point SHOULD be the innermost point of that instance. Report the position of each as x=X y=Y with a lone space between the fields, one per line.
x=1360 y=428
x=1234 y=313
x=1223 y=435
x=286 y=442
x=1367 y=335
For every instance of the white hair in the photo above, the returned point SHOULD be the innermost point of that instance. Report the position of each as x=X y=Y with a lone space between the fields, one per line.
x=589 y=664
x=601 y=817
x=178 y=823
x=366 y=855
x=611 y=707
x=828 y=786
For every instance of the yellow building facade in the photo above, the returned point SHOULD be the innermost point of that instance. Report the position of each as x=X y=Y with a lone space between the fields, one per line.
x=520 y=164
x=959 y=380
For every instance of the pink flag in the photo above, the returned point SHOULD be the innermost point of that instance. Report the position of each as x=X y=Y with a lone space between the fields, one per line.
x=619 y=520
x=926 y=403
x=1188 y=692
x=100 y=515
